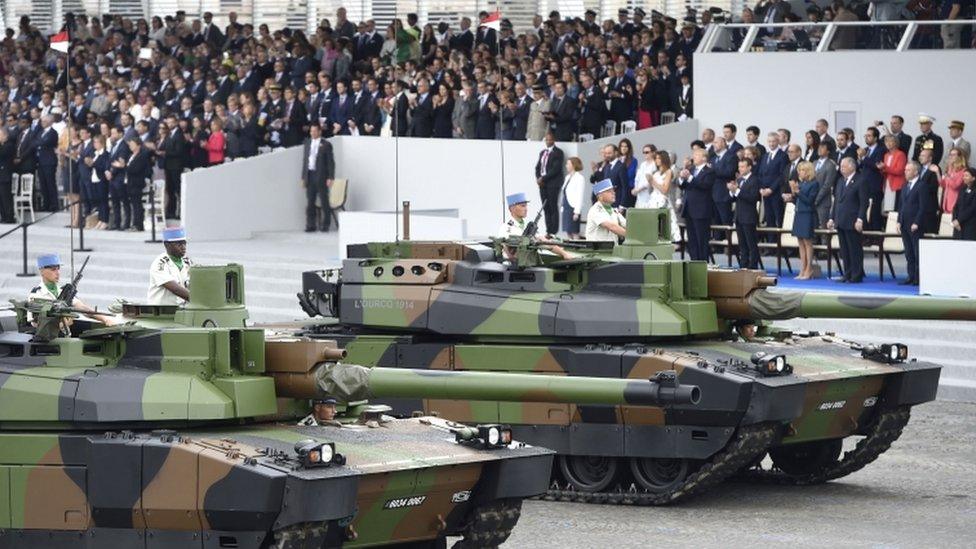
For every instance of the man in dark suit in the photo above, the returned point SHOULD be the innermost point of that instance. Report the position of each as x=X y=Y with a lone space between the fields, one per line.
x=847 y=216
x=620 y=90
x=871 y=155
x=118 y=157
x=368 y=43
x=83 y=170
x=486 y=119
x=821 y=128
x=744 y=190
x=47 y=163
x=422 y=113
x=295 y=120
x=211 y=33
x=904 y=140
x=929 y=174
x=8 y=150
x=562 y=114
x=523 y=104
x=342 y=110
x=174 y=152
x=593 y=105
x=486 y=35
x=136 y=168
x=401 y=107
x=464 y=40
x=25 y=161
x=369 y=121
x=697 y=181
x=549 y=177
x=725 y=165
x=911 y=218
x=772 y=168
x=317 y=174
x=927 y=139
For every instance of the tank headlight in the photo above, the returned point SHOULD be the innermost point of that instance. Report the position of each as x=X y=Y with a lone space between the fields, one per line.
x=886 y=352
x=312 y=453
x=495 y=436
x=771 y=365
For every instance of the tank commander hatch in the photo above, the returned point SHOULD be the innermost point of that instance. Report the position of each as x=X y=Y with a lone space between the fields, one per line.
x=49 y=268
x=169 y=273
x=518 y=210
x=323 y=413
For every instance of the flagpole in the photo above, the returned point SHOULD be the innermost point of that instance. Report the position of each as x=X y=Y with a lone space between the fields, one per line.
x=67 y=108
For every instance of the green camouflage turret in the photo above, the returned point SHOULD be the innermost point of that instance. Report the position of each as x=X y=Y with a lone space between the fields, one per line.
x=625 y=311
x=130 y=436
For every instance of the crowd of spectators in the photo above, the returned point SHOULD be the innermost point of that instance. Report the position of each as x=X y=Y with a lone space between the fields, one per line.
x=834 y=183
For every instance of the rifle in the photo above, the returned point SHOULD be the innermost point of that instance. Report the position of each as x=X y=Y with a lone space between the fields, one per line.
x=70 y=290
x=533 y=226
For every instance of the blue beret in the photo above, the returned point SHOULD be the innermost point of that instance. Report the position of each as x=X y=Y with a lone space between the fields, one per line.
x=48 y=260
x=602 y=186
x=516 y=198
x=174 y=234
x=324 y=400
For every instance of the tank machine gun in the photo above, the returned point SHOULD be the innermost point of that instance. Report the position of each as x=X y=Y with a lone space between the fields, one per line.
x=454 y=306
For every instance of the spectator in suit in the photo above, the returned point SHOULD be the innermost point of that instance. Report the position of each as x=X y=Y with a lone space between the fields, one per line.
x=725 y=166
x=592 y=105
x=930 y=175
x=463 y=41
x=422 y=111
x=83 y=170
x=911 y=218
x=871 y=156
x=549 y=178
x=752 y=140
x=400 y=107
x=729 y=132
x=118 y=158
x=136 y=168
x=897 y=123
x=538 y=123
x=465 y=115
x=826 y=176
x=803 y=193
x=317 y=175
x=174 y=151
x=821 y=128
x=964 y=214
x=100 y=163
x=520 y=119
x=845 y=149
x=682 y=101
x=251 y=133
x=8 y=150
x=892 y=168
x=620 y=90
x=485 y=123
x=562 y=114
x=847 y=216
x=927 y=139
x=772 y=172
x=744 y=190
x=486 y=35
x=697 y=180
x=47 y=163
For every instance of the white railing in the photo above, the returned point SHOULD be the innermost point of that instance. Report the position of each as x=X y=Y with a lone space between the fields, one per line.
x=822 y=37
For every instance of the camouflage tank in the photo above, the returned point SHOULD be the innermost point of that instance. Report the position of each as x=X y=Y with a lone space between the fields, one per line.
x=623 y=311
x=129 y=436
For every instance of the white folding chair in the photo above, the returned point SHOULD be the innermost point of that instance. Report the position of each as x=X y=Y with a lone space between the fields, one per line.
x=628 y=126
x=586 y=137
x=609 y=128
x=24 y=197
x=667 y=117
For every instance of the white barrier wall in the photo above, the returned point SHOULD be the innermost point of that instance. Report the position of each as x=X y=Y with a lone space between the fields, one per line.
x=793 y=89
x=235 y=200
x=264 y=193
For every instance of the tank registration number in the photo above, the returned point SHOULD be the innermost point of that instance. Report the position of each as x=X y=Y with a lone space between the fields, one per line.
x=835 y=405
x=382 y=304
x=400 y=503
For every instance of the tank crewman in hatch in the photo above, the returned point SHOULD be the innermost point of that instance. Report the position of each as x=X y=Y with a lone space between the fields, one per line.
x=49 y=267
x=603 y=221
x=518 y=210
x=169 y=274
x=323 y=413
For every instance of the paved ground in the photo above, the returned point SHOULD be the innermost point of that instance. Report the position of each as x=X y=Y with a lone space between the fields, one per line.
x=921 y=493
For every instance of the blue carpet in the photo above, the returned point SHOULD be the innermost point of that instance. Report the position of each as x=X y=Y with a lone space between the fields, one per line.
x=871 y=285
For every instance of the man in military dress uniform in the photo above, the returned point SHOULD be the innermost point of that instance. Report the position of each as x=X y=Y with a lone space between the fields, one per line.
x=49 y=267
x=169 y=274
x=323 y=413
x=603 y=221
x=927 y=139
x=518 y=210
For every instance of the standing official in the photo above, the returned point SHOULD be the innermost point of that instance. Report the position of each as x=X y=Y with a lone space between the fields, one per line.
x=136 y=168
x=911 y=218
x=927 y=139
x=174 y=151
x=169 y=273
x=871 y=155
x=8 y=150
x=847 y=216
x=317 y=176
x=697 y=181
x=47 y=163
x=744 y=190
x=549 y=177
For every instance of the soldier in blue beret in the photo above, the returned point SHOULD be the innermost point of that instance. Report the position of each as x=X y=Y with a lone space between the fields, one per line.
x=518 y=210
x=603 y=221
x=49 y=268
x=169 y=274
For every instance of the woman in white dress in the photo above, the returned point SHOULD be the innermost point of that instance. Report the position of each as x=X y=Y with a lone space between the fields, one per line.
x=642 y=180
x=661 y=183
x=572 y=199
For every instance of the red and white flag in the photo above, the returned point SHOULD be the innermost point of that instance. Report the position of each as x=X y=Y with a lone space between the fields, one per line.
x=59 y=42
x=493 y=21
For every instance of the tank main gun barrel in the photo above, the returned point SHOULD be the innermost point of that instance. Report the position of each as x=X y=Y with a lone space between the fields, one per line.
x=742 y=295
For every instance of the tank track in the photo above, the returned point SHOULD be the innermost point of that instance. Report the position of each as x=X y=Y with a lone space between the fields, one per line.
x=883 y=433
x=490 y=525
x=750 y=442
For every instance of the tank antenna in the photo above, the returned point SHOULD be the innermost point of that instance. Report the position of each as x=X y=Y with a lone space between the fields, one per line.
x=396 y=168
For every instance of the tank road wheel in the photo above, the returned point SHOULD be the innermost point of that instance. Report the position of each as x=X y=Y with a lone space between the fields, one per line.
x=660 y=475
x=589 y=473
x=490 y=525
x=806 y=458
